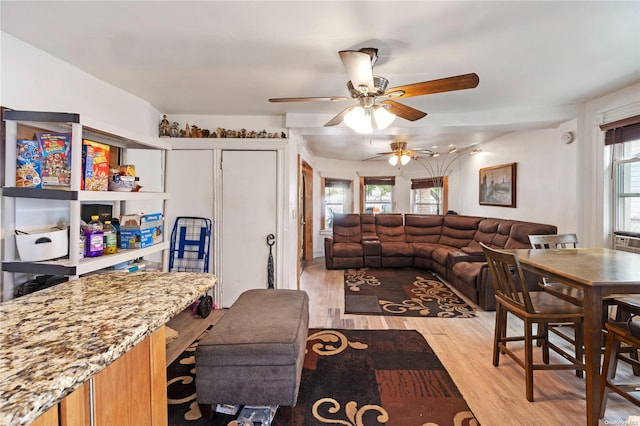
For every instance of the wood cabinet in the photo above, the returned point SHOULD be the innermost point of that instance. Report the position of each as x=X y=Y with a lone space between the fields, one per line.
x=131 y=391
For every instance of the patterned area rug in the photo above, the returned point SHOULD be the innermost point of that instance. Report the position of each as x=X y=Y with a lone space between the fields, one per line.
x=352 y=378
x=401 y=292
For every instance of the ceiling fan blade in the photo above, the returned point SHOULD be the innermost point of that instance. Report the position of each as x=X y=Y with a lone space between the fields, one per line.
x=460 y=82
x=338 y=118
x=403 y=111
x=359 y=69
x=307 y=99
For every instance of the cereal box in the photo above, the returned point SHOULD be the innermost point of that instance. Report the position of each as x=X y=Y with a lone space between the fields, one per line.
x=28 y=164
x=95 y=166
x=55 y=163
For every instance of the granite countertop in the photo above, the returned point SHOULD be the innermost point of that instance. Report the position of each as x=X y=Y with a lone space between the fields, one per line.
x=53 y=341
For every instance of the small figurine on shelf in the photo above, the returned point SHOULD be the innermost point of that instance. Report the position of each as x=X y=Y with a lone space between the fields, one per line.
x=196 y=132
x=205 y=133
x=164 y=127
x=174 y=131
x=187 y=131
x=262 y=134
x=283 y=135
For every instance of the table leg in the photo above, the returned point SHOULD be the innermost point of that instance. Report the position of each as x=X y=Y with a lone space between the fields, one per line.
x=592 y=342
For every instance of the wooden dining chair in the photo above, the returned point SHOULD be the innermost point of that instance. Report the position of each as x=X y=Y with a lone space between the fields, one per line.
x=617 y=333
x=537 y=307
x=558 y=241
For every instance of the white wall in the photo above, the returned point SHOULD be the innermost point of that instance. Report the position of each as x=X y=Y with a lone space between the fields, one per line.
x=36 y=81
x=545 y=181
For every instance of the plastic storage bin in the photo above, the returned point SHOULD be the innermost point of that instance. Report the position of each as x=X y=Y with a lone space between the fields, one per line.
x=46 y=245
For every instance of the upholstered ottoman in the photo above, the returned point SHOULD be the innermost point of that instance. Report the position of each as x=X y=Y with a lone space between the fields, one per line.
x=254 y=354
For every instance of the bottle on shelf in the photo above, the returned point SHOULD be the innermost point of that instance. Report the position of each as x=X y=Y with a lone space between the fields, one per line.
x=110 y=238
x=94 y=238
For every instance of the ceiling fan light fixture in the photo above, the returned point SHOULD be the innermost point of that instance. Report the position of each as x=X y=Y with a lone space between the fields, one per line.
x=383 y=117
x=404 y=159
x=358 y=120
x=393 y=160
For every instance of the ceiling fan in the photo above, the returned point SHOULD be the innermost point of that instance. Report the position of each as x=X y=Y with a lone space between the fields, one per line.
x=368 y=89
x=400 y=153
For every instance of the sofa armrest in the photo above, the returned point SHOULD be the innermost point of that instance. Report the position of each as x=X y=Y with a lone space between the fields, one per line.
x=328 y=252
x=369 y=236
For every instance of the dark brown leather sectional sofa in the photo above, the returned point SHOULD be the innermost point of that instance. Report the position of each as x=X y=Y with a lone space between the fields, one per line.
x=447 y=245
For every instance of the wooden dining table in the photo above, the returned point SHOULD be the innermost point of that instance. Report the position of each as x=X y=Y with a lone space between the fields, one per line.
x=598 y=272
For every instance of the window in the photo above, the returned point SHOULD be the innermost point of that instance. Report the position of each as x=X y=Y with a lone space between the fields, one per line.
x=429 y=196
x=377 y=194
x=336 y=197
x=624 y=135
x=627 y=182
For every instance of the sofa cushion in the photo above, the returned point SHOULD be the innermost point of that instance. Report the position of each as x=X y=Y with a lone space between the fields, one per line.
x=501 y=237
x=468 y=271
x=390 y=227
x=423 y=228
x=346 y=228
x=487 y=230
x=396 y=249
x=424 y=250
x=368 y=227
x=441 y=254
x=458 y=231
x=347 y=250
x=520 y=231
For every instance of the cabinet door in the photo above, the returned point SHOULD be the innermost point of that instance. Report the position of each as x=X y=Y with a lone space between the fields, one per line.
x=249 y=207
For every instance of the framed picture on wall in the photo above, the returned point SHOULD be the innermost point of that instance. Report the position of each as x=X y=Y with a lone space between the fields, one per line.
x=498 y=185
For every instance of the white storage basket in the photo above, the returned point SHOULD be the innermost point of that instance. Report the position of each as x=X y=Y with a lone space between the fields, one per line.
x=46 y=245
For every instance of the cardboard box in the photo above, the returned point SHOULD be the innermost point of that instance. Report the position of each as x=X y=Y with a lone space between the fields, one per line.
x=95 y=166
x=55 y=163
x=140 y=230
x=28 y=164
x=140 y=238
x=139 y=220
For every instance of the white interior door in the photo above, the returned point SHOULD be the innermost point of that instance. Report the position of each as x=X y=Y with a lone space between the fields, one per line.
x=249 y=208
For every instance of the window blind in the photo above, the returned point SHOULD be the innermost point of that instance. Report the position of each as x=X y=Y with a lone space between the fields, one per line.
x=621 y=131
x=336 y=183
x=380 y=180
x=434 y=182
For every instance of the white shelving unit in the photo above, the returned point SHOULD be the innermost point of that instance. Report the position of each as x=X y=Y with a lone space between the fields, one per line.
x=72 y=266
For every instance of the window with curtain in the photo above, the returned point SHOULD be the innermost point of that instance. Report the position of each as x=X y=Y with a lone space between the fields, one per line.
x=336 y=198
x=624 y=136
x=377 y=194
x=429 y=195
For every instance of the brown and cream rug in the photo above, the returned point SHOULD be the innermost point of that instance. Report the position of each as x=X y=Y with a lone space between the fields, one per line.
x=401 y=292
x=350 y=377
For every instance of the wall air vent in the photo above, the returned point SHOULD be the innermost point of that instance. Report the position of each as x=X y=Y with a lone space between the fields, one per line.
x=624 y=243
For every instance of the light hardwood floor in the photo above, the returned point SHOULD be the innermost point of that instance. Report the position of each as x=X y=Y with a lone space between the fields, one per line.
x=496 y=395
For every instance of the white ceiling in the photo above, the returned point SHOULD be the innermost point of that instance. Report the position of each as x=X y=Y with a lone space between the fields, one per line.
x=536 y=60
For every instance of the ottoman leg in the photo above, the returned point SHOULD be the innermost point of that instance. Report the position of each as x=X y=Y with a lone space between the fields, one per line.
x=205 y=409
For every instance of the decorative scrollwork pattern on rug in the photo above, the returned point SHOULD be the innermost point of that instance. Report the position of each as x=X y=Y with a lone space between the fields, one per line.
x=354 y=278
x=427 y=290
x=353 y=414
x=333 y=342
x=463 y=418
